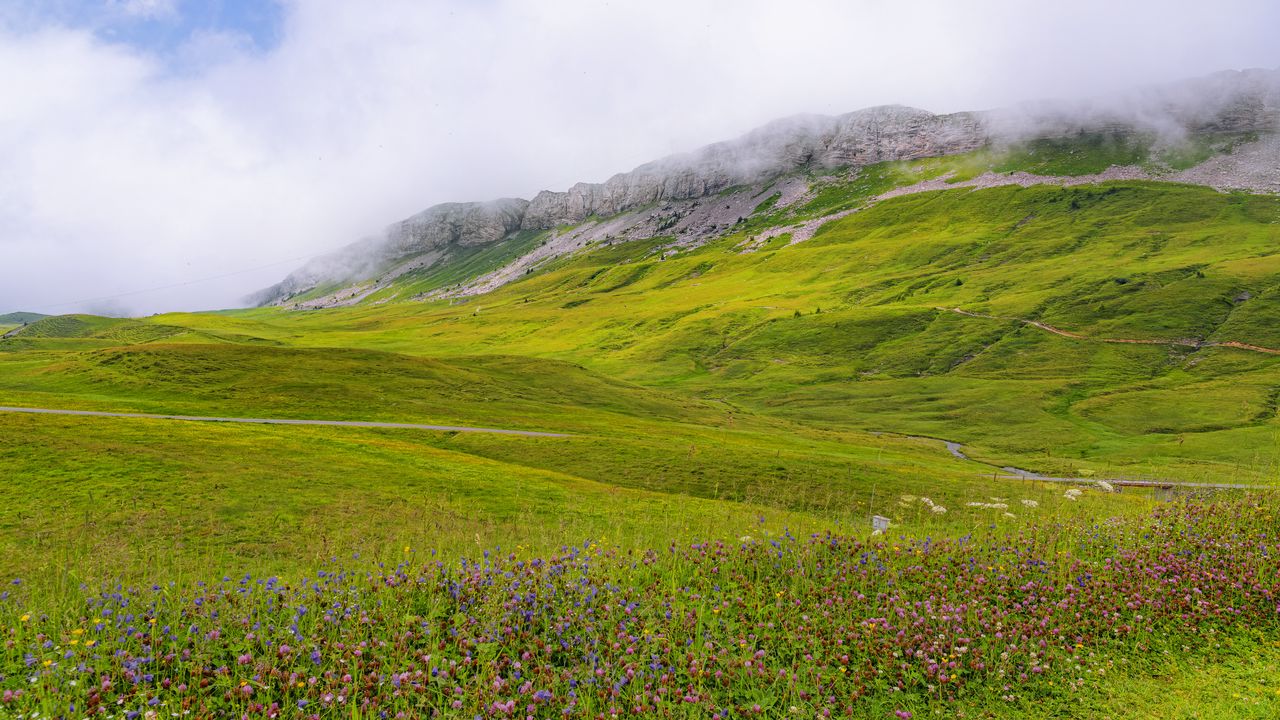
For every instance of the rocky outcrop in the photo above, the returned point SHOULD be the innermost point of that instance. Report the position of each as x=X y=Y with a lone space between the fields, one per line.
x=858 y=138
x=462 y=224
x=428 y=234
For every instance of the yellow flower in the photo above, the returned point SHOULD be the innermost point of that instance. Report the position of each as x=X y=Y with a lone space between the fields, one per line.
x=406 y=549
x=47 y=663
x=74 y=642
x=90 y=643
x=78 y=631
x=25 y=618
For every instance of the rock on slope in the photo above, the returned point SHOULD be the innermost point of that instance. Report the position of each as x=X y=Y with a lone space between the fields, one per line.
x=1231 y=101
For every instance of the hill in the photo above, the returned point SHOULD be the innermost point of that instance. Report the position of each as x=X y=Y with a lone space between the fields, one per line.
x=18 y=318
x=743 y=378
x=926 y=313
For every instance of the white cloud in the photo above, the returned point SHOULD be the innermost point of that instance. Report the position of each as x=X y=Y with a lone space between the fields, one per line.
x=121 y=170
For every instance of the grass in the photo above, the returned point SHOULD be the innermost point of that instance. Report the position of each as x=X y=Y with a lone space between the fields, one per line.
x=1080 y=154
x=708 y=394
x=880 y=356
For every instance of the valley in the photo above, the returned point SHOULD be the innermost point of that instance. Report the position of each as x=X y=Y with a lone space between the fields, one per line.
x=1002 y=410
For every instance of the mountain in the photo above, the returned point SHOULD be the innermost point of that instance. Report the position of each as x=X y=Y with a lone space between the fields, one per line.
x=1217 y=131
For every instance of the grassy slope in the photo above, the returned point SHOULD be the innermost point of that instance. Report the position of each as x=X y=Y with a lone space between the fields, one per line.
x=17 y=318
x=703 y=381
x=878 y=356
x=844 y=330
x=133 y=499
x=709 y=392
x=107 y=475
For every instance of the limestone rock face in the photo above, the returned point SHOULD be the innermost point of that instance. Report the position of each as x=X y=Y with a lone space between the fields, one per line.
x=900 y=133
x=462 y=224
x=428 y=233
x=858 y=138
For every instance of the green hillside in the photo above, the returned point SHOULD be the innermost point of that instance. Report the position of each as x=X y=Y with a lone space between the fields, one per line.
x=789 y=377
x=751 y=400
x=18 y=318
x=855 y=329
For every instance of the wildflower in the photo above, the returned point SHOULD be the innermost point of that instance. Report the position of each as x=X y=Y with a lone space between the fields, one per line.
x=1030 y=503
x=1073 y=494
x=938 y=510
x=1106 y=486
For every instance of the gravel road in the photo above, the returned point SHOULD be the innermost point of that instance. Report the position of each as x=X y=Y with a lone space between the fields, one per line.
x=283 y=421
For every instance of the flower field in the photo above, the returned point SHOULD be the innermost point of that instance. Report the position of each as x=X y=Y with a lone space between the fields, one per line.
x=817 y=626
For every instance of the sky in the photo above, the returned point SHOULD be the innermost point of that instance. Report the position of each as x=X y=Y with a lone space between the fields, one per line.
x=162 y=155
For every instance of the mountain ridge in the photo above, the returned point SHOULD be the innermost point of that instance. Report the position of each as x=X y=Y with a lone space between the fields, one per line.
x=1229 y=102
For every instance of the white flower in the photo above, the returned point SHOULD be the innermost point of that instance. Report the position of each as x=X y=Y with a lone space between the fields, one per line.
x=1073 y=494
x=1010 y=515
x=938 y=510
x=1030 y=503
x=988 y=506
x=926 y=501
x=1106 y=486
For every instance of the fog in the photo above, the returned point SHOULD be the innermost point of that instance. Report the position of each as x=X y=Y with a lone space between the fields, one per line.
x=137 y=178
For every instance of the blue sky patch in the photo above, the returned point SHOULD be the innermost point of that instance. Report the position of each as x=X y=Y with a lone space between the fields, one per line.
x=164 y=27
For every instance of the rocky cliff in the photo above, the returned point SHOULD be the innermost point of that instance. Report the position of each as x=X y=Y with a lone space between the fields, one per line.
x=858 y=138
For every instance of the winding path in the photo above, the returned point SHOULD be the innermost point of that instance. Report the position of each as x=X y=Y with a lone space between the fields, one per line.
x=284 y=421
x=1128 y=341
x=1121 y=482
x=1013 y=473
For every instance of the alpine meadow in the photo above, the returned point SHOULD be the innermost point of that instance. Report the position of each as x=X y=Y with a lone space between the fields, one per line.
x=885 y=414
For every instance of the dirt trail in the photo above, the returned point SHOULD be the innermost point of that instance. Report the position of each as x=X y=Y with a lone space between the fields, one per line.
x=284 y=421
x=1127 y=341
